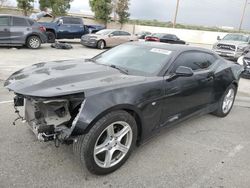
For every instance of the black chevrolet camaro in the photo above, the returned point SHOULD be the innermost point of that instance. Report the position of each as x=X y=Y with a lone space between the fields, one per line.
x=109 y=104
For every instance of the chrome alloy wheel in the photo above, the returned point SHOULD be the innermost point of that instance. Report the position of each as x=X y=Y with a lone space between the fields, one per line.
x=228 y=101
x=102 y=45
x=34 y=42
x=113 y=144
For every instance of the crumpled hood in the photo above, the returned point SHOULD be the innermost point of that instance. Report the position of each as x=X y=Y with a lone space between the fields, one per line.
x=67 y=77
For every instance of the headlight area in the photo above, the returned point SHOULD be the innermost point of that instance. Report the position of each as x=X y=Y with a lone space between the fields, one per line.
x=50 y=119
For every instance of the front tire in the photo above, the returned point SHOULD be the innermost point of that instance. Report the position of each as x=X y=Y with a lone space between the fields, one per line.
x=34 y=42
x=51 y=36
x=226 y=102
x=108 y=144
x=101 y=45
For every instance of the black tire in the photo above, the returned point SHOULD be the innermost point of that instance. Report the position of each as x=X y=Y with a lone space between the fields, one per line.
x=33 y=42
x=219 y=112
x=51 y=37
x=84 y=145
x=101 y=44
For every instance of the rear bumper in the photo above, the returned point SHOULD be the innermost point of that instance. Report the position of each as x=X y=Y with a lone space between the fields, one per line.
x=43 y=38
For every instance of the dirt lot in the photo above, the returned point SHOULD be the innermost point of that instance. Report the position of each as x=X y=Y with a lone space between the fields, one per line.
x=203 y=152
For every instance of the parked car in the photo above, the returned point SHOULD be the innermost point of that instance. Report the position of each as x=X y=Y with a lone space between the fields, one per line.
x=107 y=38
x=143 y=34
x=108 y=104
x=231 y=46
x=19 y=31
x=66 y=27
x=165 y=38
x=245 y=62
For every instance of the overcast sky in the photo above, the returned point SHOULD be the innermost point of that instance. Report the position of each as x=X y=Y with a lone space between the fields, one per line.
x=197 y=12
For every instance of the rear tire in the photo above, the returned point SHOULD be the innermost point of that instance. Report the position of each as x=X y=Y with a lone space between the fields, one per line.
x=226 y=102
x=108 y=144
x=33 y=42
x=101 y=45
x=51 y=36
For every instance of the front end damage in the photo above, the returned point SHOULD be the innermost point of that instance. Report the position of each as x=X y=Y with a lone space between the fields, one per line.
x=51 y=119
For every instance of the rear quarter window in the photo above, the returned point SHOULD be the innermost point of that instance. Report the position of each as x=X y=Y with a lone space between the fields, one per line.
x=4 y=21
x=19 y=22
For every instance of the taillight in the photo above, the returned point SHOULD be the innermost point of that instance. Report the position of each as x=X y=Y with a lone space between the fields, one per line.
x=42 y=28
x=153 y=39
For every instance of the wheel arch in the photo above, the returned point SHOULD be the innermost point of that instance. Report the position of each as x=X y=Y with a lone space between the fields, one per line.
x=103 y=41
x=30 y=35
x=51 y=30
x=132 y=110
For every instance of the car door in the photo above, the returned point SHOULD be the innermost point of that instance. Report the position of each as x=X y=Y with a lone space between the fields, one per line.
x=19 y=29
x=64 y=29
x=77 y=27
x=125 y=37
x=4 y=29
x=186 y=95
x=169 y=39
x=114 y=39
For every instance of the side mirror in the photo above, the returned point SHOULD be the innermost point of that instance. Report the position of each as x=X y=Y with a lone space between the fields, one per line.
x=181 y=71
x=111 y=35
x=60 y=22
x=218 y=38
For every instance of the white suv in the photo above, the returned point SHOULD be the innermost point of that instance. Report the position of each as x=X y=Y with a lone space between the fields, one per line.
x=232 y=46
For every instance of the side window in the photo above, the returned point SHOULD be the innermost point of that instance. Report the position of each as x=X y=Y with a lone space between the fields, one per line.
x=210 y=58
x=76 y=21
x=124 y=33
x=4 y=21
x=116 y=33
x=194 y=60
x=19 y=22
x=66 y=20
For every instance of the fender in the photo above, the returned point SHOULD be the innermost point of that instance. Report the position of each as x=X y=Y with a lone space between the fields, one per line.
x=136 y=100
x=97 y=106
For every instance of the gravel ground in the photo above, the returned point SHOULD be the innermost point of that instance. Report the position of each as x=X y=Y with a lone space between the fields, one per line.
x=202 y=152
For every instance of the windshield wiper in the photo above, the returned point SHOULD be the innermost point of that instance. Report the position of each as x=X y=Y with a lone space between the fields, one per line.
x=125 y=71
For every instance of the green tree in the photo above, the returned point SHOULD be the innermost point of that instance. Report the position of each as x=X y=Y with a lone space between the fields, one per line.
x=25 y=5
x=3 y=3
x=102 y=9
x=59 y=7
x=122 y=9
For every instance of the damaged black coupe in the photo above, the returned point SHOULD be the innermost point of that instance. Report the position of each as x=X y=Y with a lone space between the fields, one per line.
x=108 y=104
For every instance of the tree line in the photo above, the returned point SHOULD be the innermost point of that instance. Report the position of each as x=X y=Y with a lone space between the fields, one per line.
x=102 y=9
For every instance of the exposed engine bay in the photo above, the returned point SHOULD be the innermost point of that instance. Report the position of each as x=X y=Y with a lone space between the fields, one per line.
x=50 y=119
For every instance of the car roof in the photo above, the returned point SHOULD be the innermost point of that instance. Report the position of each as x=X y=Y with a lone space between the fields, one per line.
x=15 y=16
x=172 y=47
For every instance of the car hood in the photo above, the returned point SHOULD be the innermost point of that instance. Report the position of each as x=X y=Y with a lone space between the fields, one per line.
x=232 y=42
x=68 y=77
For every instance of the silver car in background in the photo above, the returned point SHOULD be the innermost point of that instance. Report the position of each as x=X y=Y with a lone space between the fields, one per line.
x=232 y=46
x=19 y=31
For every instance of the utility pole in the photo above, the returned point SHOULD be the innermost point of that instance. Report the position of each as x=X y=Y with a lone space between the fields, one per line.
x=243 y=14
x=114 y=9
x=176 y=13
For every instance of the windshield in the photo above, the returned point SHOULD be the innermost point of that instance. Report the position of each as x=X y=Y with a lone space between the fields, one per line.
x=137 y=60
x=104 y=32
x=236 y=37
